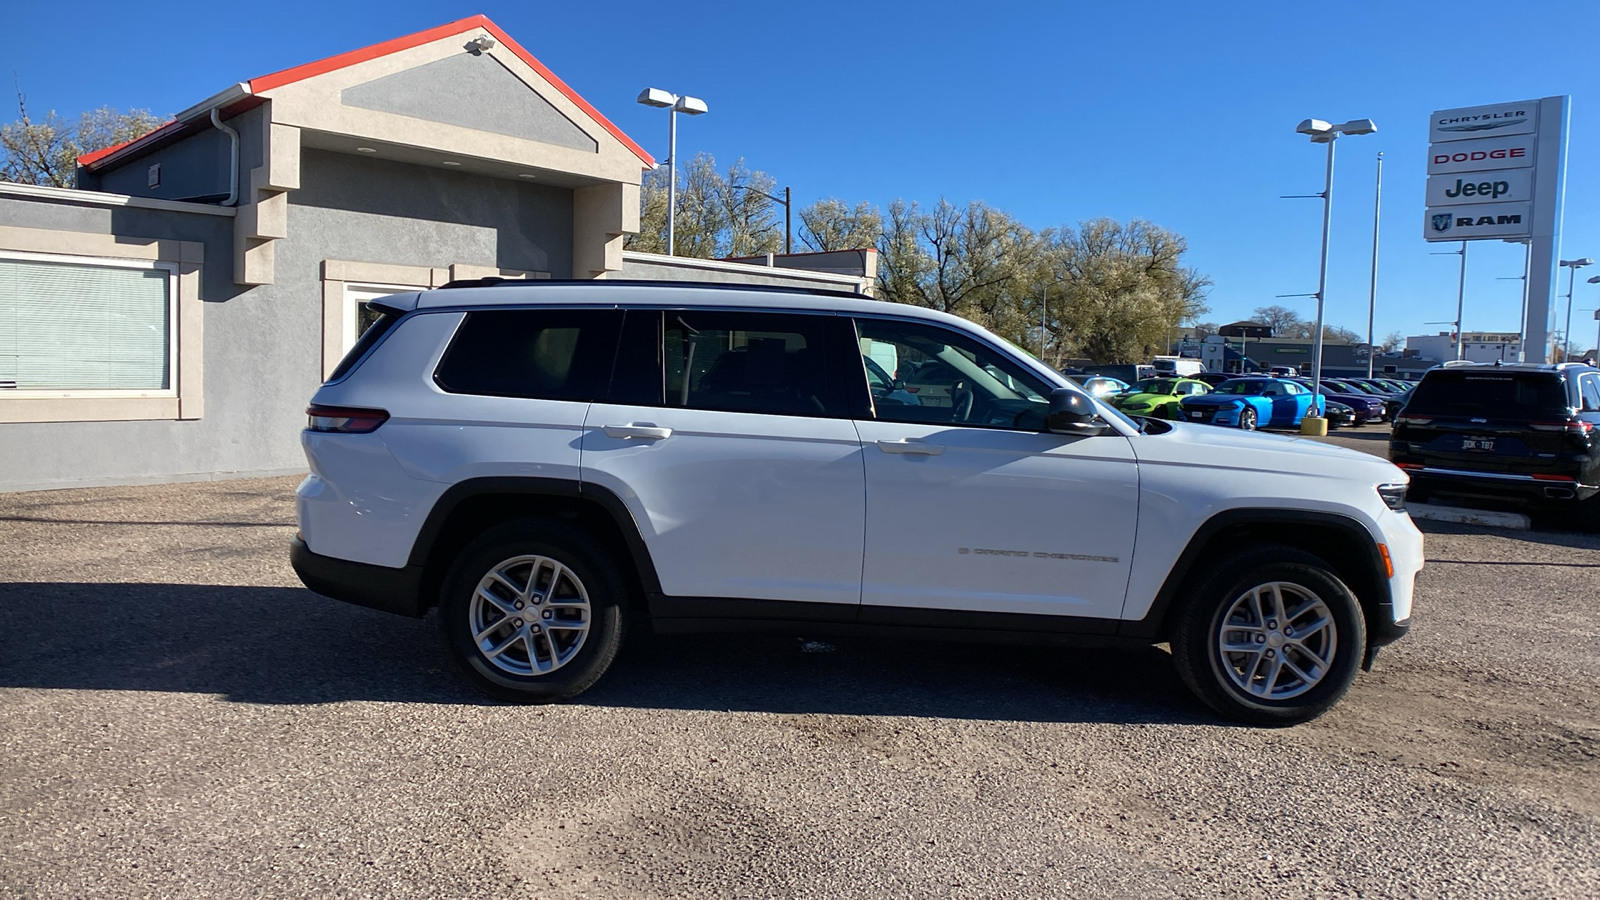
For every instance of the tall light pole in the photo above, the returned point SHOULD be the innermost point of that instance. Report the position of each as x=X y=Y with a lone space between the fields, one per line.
x=1596 y=280
x=1573 y=265
x=674 y=104
x=1321 y=132
x=1372 y=286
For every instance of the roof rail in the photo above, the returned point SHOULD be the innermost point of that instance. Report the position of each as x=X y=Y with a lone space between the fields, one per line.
x=498 y=281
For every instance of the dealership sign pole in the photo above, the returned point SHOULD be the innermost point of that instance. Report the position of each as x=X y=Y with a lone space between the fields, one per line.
x=1499 y=173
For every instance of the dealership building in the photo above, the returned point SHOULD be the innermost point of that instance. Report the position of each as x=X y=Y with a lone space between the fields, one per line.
x=170 y=317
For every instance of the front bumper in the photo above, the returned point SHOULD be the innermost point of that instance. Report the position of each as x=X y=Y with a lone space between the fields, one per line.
x=1211 y=415
x=376 y=587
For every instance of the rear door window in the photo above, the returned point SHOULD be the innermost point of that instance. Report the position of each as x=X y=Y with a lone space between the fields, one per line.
x=1488 y=394
x=751 y=362
x=542 y=354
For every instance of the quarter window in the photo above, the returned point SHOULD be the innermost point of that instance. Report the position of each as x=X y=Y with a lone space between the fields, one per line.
x=770 y=363
x=543 y=354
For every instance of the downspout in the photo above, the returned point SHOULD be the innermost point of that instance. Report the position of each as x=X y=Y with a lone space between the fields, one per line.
x=233 y=169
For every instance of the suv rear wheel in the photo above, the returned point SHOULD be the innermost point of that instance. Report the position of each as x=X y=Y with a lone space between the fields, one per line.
x=1270 y=637
x=532 y=611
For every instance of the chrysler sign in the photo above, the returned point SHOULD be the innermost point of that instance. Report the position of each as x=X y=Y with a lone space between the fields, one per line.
x=1504 y=186
x=1483 y=121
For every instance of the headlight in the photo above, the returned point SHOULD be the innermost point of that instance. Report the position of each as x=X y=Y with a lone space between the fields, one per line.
x=1394 y=496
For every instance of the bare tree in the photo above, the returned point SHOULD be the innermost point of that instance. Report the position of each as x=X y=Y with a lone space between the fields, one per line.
x=46 y=151
x=1392 y=342
x=718 y=215
x=1285 y=322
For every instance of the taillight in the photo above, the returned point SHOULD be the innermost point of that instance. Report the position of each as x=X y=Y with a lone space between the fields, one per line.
x=343 y=420
x=1570 y=426
x=1541 y=476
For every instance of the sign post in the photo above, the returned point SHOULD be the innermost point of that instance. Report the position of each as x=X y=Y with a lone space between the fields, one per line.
x=1499 y=173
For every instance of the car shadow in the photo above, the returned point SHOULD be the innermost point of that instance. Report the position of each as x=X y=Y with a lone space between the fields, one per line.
x=279 y=645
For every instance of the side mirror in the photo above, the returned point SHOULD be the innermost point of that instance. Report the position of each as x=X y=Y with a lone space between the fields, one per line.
x=1073 y=413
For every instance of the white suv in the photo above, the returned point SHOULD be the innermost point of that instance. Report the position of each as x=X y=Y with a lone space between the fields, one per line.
x=552 y=463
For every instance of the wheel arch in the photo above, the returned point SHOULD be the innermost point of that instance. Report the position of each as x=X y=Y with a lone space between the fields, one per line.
x=1341 y=541
x=469 y=508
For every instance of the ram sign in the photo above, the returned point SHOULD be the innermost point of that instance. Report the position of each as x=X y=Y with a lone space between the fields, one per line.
x=1486 y=220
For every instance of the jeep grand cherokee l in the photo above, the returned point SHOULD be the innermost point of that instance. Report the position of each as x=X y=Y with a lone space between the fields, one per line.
x=553 y=463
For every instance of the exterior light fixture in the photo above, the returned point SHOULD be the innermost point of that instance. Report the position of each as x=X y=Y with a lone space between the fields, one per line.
x=450 y=162
x=481 y=43
x=673 y=104
x=366 y=150
x=1322 y=132
x=1573 y=265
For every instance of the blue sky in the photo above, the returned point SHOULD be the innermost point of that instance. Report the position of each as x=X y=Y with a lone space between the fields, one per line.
x=1180 y=113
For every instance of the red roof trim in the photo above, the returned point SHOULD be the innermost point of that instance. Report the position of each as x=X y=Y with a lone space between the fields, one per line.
x=89 y=159
x=345 y=60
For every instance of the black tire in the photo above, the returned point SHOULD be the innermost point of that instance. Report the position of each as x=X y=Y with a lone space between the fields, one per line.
x=1247 y=419
x=593 y=572
x=1196 y=638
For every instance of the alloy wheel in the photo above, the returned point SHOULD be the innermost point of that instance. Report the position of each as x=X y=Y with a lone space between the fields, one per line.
x=529 y=615
x=1277 y=641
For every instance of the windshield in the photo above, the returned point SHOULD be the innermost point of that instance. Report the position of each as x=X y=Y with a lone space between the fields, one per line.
x=1166 y=386
x=1486 y=394
x=1241 y=386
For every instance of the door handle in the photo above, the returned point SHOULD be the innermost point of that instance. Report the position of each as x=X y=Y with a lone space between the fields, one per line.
x=645 y=432
x=911 y=448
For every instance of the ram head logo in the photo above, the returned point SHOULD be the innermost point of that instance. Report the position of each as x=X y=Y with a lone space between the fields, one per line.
x=1441 y=222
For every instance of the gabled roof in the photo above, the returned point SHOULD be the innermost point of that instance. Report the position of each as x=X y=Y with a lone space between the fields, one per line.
x=244 y=95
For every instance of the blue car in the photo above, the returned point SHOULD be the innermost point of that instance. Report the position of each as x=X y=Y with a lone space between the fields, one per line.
x=1250 y=403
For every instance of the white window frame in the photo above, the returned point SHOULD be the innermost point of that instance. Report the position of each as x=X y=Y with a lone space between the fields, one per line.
x=171 y=268
x=184 y=399
x=352 y=306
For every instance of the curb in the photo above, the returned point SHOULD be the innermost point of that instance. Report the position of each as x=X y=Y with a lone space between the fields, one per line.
x=1488 y=518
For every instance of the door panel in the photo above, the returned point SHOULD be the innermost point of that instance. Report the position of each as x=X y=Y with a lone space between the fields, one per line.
x=737 y=504
x=1002 y=521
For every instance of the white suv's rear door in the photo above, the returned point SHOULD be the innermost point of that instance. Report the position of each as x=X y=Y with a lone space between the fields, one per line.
x=971 y=506
x=740 y=464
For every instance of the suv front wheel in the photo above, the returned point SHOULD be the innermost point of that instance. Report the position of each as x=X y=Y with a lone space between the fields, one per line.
x=1270 y=637
x=532 y=611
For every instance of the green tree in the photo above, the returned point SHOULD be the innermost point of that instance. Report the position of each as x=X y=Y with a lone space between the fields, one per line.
x=719 y=214
x=1125 y=287
x=46 y=151
x=832 y=225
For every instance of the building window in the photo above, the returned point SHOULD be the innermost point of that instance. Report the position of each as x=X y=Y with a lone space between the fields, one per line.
x=358 y=314
x=77 y=326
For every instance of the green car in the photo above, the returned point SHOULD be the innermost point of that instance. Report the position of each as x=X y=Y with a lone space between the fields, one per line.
x=1158 y=397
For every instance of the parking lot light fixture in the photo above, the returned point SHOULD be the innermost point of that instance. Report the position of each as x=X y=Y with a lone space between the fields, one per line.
x=1573 y=265
x=673 y=104
x=1321 y=132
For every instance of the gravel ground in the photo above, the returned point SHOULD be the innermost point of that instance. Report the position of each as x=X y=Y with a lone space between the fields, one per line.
x=178 y=718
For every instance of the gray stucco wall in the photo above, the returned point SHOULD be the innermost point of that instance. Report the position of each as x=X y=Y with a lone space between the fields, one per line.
x=197 y=166
x=473 y=91
x=263 y=345
x=372 y=210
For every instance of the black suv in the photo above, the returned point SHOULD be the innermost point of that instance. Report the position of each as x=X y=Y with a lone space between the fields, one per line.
x=1525 y=432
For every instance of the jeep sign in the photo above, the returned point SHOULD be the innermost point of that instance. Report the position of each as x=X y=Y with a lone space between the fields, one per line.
x=1484 y=220
x=1504 y=186
x=1481 y=155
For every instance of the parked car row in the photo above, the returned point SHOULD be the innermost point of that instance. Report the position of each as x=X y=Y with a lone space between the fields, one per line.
x=1248 y=402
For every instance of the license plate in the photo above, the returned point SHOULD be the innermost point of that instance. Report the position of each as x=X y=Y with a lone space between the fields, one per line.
x=1198 y=416
x=1477 y=443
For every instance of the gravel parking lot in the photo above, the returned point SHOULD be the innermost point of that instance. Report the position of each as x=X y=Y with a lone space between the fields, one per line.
x=179 y=718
